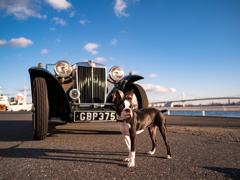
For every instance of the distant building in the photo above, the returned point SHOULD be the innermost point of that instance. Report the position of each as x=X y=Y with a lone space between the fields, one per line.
x=11 y=99
x=4 y=104
x=20 y=99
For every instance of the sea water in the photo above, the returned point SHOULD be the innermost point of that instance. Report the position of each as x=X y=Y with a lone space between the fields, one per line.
x=207 y=113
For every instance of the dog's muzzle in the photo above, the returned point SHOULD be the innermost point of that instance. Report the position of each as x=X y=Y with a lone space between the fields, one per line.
x=127 y=112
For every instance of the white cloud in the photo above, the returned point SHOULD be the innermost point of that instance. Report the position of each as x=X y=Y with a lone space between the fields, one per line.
x=157 y=88
x=152 y=75
x=19 y=55
x=136 y=72
x=19 y=42
x=72 y=14
x=59 y=21
x=3 y=42
x=100 y=59
x=58 y=39
x=119 y=7
x=52 y=29
x=111 y=58
x=90 y=47
x=44 y=51
x=114 y=41
x=59 y=4
x=123 y=31
x=84 y=21
x=22 y=9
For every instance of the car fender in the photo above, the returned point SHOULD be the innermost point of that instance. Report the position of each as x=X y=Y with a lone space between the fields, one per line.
x=121 y=85
x=58 y=102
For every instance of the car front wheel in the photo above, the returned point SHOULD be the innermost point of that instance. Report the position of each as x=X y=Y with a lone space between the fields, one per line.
x=140 y=99
x=40 y=114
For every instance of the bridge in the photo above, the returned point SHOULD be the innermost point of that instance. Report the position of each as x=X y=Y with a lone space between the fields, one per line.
x=170 y=105
x=183 y=100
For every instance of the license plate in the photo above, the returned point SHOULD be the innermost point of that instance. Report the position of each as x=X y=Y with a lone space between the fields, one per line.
x=92 y=116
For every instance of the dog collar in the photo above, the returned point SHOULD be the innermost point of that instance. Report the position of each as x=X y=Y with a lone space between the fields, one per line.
x=118 y=120
x=123 y=120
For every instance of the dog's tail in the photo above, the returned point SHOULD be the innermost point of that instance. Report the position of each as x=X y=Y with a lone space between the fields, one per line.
x=164 y=110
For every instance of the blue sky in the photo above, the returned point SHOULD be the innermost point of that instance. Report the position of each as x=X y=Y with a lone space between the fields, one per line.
x=190 y=46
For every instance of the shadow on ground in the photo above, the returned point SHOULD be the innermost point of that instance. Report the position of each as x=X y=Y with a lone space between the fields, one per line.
x=63 y=155
x=54 y=130
x=22 y=130
x=104 y=157
x=229 y=172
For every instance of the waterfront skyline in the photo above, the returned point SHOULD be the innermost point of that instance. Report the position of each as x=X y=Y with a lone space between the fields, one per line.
x=177 y=46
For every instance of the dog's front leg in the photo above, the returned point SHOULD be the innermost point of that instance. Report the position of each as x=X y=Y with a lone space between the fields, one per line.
x=124 y=128
x=128 y=143
x=131 y=162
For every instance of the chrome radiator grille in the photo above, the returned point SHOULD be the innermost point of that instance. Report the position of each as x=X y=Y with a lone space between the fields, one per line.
x=91 y=84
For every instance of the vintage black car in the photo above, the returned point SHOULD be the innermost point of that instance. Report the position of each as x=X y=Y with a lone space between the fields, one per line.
x=78 y=93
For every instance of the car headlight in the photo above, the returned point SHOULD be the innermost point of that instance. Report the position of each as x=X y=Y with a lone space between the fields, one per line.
x=63 y=69
x=74 y=94
x=116 y=73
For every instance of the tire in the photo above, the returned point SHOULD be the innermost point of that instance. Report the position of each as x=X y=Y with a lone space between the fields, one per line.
x=140 y=94
x=40 y=114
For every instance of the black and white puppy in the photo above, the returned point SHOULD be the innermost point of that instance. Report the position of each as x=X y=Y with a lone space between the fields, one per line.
x=135 y=121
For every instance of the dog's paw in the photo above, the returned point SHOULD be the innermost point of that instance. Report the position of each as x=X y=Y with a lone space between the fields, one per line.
x=131 y=164
x=168 y=157
x=151 y=152
x=126 y=159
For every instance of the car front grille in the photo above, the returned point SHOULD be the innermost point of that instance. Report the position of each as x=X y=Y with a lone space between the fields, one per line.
x=91 y=84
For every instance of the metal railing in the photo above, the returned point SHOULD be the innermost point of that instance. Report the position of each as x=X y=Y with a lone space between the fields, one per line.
x=201 y=108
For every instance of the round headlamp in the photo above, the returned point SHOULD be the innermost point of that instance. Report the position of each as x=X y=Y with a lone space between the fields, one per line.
x=74 y=94
x=116 y=73
x=63 y=69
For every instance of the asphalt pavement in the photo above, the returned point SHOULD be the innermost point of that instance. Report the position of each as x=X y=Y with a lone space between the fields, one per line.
x=96 y=150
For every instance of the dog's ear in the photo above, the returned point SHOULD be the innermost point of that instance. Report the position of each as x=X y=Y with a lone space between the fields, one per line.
x=117 y=96
x=130 y=95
